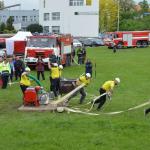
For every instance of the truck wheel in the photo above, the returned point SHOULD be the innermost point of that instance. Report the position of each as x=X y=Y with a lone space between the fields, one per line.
x=144 y=44
x=120 y=45
x=138 y=44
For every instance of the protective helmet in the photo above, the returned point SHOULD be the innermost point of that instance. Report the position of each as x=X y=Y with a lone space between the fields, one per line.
x=88 y=75
x=55 y=64
x=117 y=79
x=27 y=69
x=60 y=109
x=37 y=88
x=60 y=67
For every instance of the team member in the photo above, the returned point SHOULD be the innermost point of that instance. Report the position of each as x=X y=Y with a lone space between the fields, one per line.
x=25 y=81
x=85 y=79
x=107 y=88
x=5 y=71
x=54 y=78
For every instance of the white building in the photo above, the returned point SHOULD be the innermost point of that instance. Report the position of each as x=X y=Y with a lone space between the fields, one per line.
x=78 y=17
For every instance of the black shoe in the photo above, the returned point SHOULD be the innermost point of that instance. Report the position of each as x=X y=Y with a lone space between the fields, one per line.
x=145 y=112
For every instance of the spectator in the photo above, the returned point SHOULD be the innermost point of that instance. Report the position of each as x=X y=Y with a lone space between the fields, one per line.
x=12 y=69
x=79 y=54
x=19 y=67
x=88 y=67
x=83 y=54
x=40 y=68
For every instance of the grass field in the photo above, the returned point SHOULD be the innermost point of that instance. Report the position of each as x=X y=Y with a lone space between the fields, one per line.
x=55 y=131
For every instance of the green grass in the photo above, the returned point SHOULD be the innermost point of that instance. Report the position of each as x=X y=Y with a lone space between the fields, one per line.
x=54 y=131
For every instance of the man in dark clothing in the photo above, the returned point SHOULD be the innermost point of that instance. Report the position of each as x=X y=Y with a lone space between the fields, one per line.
x=19 y=67
x=40 y=68
x=79 y=54
x=88 y=67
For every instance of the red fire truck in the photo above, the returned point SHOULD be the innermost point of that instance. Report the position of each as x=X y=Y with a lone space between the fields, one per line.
x=45 y=46
x=129 y=39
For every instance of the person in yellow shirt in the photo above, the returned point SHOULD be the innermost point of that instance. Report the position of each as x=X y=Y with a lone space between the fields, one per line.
x=55 y=78
x=5 y=71
x=106 y=89
x=85 y=79
x=25 y=81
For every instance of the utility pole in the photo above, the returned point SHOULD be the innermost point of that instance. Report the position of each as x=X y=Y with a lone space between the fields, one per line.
x=118 y=22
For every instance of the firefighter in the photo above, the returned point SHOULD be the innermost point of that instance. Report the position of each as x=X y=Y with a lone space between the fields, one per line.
x=88 y=67
x=106 y=89
x=25 y=81
x=5 y=72
x=84 y=79
x=54 y=77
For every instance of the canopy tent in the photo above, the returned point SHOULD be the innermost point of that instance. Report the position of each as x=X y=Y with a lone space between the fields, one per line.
x=20 y=36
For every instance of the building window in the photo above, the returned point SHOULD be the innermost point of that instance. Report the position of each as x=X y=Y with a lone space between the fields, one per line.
x=24 y=18
x=56 y=29
x=46 y=16
x=56 y=16
x=76 y=2
x=46 y=29
x=44 y=2
x=17 y=18
x=31 y=18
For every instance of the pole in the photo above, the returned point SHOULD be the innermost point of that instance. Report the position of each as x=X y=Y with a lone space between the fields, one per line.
x=118 y=22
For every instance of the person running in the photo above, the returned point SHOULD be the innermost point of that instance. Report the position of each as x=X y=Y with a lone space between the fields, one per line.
x=88 y=67
x=106 y=89
x=84 y=79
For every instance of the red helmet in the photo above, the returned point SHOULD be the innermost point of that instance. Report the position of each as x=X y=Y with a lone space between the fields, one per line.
x=37 y=88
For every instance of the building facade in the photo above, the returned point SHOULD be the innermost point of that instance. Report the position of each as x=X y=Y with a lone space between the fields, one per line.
x=78 y=17
x=22 y=18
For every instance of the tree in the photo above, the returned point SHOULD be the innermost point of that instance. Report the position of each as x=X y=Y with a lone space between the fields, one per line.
x=9 y=23
x=126 y=5
x=2 y=27
x=35 y=28
x=108 y=15
x=144 y=5
x=1 y=4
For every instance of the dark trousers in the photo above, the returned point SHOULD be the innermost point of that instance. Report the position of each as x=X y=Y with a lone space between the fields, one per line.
x=23 y=88
x=83 y=95
x=38 y=75
x=55 y=86
x=18 y=74
x=11 y=75
x=5 y=78
x=102 y=99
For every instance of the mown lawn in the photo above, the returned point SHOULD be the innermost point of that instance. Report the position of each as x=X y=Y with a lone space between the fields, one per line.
x=54 y=131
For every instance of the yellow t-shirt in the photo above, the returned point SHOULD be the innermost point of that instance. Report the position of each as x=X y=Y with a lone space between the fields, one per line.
x=108 y=85
x=55 y=72
x=25 y=80
x=83 y=80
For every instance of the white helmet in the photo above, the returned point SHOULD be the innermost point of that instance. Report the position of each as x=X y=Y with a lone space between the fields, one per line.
x=88 y=75
x=117 y=79
x=27 y=69
x=55 y=64
x=60 y=109
x=60 y=67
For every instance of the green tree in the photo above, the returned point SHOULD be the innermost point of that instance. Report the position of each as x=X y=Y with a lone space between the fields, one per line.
x=9 y=23
x=1 y=4
x=144 y=5
x=108 y=15
x=2 y=27
x=35 y=28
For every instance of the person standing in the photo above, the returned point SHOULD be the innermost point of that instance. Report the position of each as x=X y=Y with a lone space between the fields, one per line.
x=88 y=67
x=5 y=73
x=83 y=54
x=1 y=62
x=54 y=78
x=79 y=54
x=40 y=68
x=106 y=88
x=85 y=79
x=19 y=67
x=11 y=62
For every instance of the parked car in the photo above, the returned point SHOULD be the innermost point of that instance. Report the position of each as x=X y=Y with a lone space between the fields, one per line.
x=87 y=42
x=97 y=42
x=77 y=43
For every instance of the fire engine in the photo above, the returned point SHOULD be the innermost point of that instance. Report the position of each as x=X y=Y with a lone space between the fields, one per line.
x=129 y=39
x=45 y=46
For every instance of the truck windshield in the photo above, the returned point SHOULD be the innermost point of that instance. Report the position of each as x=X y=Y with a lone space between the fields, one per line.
x=41 y=42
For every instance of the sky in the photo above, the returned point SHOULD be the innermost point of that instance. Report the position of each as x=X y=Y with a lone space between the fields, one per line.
x=31 y=4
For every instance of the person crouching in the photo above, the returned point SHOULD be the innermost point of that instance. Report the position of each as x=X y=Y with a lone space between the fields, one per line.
x=25 y=81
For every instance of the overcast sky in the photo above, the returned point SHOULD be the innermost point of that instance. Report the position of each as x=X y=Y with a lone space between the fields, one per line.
x=30 y=4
